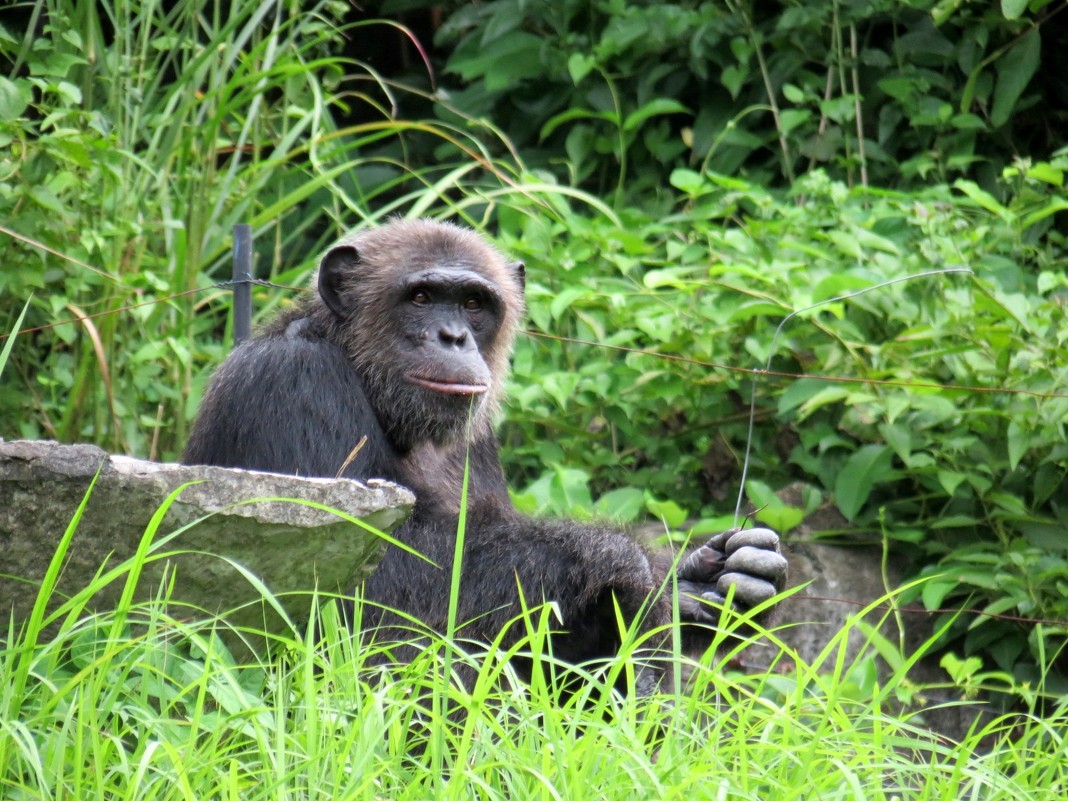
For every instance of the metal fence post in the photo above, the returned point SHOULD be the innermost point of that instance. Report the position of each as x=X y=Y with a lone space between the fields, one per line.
x=242 y=282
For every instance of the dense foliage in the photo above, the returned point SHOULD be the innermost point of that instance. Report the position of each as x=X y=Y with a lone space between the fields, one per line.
x=957 y=448
x=147 y=703
x=679 y=177
x=612 y=94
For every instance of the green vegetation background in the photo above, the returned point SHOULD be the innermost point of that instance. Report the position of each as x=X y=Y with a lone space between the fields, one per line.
x=678 y=177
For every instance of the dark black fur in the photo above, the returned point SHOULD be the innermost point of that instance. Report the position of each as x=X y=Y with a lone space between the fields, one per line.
x=393 y=311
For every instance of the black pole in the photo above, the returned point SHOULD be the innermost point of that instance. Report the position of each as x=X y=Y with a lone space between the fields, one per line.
x=242 y=285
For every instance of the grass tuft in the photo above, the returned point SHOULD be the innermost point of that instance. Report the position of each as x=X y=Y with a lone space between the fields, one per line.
x=147 y=702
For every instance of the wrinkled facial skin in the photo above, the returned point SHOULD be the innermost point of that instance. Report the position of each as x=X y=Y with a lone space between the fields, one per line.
x=443 y=322
x=427 y=319
x=446 y=319
x=421 y=352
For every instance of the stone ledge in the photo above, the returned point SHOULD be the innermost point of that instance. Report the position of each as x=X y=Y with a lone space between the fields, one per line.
x=234 y=514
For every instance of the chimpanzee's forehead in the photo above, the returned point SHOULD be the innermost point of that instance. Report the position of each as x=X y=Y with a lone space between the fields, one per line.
x=451 y=280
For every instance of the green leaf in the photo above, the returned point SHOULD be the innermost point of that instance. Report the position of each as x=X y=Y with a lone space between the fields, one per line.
x=950 y=480
x=564 y=299
x=827 y=395
x=756 y=308
x=1044 y=171
x=960 y=670
x=790 y=118
x=579 y=66
x=799 y=392
x=898 y=437
x=561 y=387
x=47 y=199
x=670 y=512
x=908 y=534
x=955 y=521
x=654 y=108
x=502 y=62
x=944 y=9
x=571 y=490
x=782 y=518
x=573 y=114
x=1052 y=206
x=69 y=92
x=839 y=284
x=622 y=505
x=792 y=93
x=12 y=103
x=688 y=181
x=860 y=473
x=1012 y=9
x=1015 y=71
x=732 y=77
x=968 y=122
x=1003 y=604
x=1019 y=442
x=770 y=508
x=661 y=327
x=936 y=590
x=760 y=494
x=677 y=277
x=982 y=197
x=898 y=88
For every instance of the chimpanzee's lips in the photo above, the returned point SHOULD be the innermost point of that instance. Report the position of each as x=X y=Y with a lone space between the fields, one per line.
x=448 y=387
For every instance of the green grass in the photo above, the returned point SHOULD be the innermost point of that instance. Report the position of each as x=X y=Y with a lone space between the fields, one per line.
x=131 y=158
x=146 y=702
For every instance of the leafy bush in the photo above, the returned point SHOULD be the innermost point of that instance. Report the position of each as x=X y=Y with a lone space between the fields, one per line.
x=888 y=93
x=133 y=136
x=951 y=441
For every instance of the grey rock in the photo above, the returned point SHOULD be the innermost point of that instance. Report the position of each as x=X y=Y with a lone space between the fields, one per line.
x=217 y=517
x=843 y=579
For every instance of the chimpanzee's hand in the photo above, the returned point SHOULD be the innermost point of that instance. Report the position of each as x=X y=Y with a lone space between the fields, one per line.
x=749 y=560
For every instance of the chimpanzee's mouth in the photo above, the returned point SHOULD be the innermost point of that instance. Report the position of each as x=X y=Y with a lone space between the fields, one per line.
x=448 y=387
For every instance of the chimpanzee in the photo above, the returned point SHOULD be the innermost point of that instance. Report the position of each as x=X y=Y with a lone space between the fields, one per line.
x=405 y=346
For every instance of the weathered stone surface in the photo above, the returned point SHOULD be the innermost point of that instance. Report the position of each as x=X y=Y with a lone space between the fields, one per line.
x=291 y=547
x=842 y=580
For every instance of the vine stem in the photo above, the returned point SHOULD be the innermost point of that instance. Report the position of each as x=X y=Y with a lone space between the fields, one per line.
x=771 y=353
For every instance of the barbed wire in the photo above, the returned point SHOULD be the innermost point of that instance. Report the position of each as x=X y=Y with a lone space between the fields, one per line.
x=673 y=357
x=755 y=372
x=232 y=282
x=759 y=371
x=921 y=610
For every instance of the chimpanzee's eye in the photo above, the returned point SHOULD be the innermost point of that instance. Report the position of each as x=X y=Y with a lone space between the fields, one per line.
x=473 y=304
x=420 y=298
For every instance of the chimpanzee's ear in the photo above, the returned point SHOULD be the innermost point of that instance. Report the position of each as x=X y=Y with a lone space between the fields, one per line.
x=519 y=270
x=337 y=262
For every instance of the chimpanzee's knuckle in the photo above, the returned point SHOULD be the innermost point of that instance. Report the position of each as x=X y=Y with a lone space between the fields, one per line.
x=754 y=537
x=748 y=590
x=757 y=562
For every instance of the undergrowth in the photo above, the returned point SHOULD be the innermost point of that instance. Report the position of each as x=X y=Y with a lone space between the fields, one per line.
x=147 y=701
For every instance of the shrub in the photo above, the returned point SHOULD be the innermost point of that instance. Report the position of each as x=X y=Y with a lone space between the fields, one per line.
x=888 y=93
x=956 y=449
